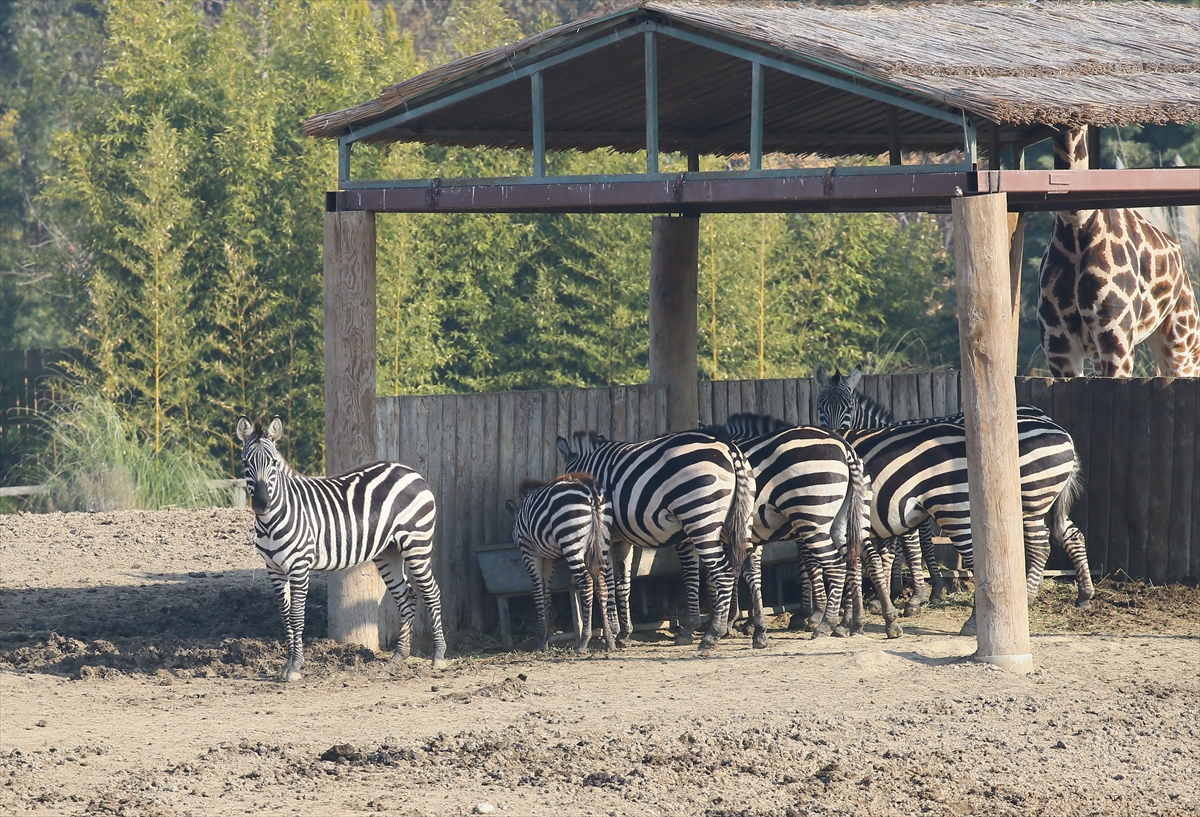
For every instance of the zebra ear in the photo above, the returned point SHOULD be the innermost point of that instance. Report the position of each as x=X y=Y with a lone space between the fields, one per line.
x=275 y=429
x=244 y=429
x=511 y=507
x=564 y=448
x=822 y=375
x=855 y=377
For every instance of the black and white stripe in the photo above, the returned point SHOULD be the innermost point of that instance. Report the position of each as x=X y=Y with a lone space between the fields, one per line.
x=566 y=519
x=383 y=513
x=918 y=470
x=810 y=488
x=684 y=490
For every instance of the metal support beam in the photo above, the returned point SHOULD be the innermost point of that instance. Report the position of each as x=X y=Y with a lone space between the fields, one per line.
x=539 y=124
x=993 y=145
x=894 y=156
x=1093 y=147
x=989 y=401
x=344 y=147
x=756 y=116
x=674 y=265
x=651 y=103
x=356 y=615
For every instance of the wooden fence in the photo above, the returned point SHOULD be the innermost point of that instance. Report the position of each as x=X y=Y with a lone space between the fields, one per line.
x=1137 y=438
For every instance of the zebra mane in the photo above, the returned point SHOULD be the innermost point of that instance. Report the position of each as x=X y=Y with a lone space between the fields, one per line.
x=745 y=425
x=530 y=485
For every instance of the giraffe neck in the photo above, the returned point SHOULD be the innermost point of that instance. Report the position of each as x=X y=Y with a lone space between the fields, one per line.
x=1071 y=153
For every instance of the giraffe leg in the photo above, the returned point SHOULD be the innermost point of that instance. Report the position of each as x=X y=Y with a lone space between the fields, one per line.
x=1176 y=342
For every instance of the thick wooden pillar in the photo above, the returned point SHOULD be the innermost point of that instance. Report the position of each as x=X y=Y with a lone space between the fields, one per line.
x=674 y=249
x=355 y=611
x=989 y=401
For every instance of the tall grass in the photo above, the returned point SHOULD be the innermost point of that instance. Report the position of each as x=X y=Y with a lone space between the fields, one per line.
x=95 y=460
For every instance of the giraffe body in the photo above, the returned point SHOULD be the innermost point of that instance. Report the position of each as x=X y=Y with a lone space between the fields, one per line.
x=1111 y=280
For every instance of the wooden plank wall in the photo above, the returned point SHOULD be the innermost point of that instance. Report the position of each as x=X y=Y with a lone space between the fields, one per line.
x=1139 y=444
x=1138 y=441
x=475 y=450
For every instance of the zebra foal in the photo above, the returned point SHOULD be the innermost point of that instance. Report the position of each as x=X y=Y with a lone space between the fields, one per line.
x=684 y=490
x=566 y=519
x=383 y=513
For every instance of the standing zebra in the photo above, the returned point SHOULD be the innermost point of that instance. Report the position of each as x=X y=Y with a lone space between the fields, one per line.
x=918 y=470
x=382 y=512
x=682 y=490
x=810 y=488
x=567 y=519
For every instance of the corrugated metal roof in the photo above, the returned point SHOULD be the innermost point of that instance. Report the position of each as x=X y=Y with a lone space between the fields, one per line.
x=1022 y=66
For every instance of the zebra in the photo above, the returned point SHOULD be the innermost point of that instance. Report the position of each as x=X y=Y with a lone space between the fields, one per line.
x=684 y=490
x=383 y=512
x=918 y=470
x=810 y=488
x=567 y=519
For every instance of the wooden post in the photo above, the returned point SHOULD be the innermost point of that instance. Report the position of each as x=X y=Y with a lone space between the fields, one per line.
x=355 y=594
x=981 y=249
x=673 y=279
x=1016 y=253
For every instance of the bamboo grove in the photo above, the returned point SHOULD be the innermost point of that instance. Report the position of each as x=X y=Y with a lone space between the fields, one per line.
x=174 y=231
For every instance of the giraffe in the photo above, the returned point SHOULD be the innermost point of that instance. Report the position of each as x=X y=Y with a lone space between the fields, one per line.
x=1110 y=280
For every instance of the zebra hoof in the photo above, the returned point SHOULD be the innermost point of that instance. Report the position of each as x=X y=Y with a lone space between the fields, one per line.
x=1084 y=603
x=911 y=610
x=683 y=638
x=440 y=663
x=708 y=642
x=875 y=607
x=841 y=631
x=821 y=630
x=760 y=641
x=894 y=630
x=289 y=675
x=968 y=628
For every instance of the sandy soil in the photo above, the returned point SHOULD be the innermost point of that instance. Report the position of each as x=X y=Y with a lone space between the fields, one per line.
x=138 y=653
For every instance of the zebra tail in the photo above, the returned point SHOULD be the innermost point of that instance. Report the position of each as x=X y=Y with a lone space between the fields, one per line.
x=1059 y=520
x=855 y=521
x=594 y=550
x=739 y=520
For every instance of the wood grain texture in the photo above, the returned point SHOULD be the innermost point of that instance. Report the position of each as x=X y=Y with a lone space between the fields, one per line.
x=989 y=401
x=1162 y=465
x=674 y=269
x=356 y=615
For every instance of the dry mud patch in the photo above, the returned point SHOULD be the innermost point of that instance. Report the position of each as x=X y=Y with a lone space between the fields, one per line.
x=138 y=651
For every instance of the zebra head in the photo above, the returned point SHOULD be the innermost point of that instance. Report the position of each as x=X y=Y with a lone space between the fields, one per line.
x=262 y=462
x=585 y=441
x=837 y=399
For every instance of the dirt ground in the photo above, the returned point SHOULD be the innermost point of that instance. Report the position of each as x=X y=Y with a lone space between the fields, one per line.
x=138 y=653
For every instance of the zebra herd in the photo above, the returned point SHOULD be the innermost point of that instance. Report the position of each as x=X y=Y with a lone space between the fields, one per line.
x=847 y=493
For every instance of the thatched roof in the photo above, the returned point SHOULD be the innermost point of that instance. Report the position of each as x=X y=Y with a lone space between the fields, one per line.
x=1019 y=65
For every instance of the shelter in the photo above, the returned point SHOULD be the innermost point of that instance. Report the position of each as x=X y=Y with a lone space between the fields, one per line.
x=747 y=77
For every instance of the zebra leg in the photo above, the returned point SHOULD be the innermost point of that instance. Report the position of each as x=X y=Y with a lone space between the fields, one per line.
x=691 y=582
x=391 y=569
x=536 y=568
x=885 y=551
x=853 y=619
x=288 y=602
x=878 y=578
x=622 y=572
x=911 y=542
x=929 y=555
x=752 y=571
x=418 y=566
x=832 y=563
x=1076 y=548
x=586 y=587
x=603 y=583
x=967 y=556
x=1037 y=553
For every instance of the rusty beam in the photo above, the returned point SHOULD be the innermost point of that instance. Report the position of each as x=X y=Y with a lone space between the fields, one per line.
x=692 y=194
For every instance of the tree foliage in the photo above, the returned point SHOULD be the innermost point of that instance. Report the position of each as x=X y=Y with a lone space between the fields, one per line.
x=170 y=205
